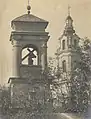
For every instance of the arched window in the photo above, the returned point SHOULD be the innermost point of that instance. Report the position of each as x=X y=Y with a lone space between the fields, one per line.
x=63 y=44
x=75 y=43
x=30 y=55
x=64 y=65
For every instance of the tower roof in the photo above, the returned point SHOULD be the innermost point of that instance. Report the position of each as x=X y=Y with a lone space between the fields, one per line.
x=28 y=18
x=69 y=29
x=69 y=18
x=28 y=22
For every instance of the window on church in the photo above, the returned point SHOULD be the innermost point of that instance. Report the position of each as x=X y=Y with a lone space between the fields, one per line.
x=64 y=65
x=75 y=43
x=63 y=44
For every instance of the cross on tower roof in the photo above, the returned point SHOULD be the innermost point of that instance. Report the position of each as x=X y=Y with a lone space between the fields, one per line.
x=69 y=10
x=28 y=2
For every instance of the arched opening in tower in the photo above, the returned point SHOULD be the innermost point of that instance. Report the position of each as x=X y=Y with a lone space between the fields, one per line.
x=75 y=43
x=64 y=65
x=30 y=55
x=63 y=45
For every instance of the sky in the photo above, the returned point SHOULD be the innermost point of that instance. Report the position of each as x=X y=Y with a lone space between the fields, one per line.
x=54 y=11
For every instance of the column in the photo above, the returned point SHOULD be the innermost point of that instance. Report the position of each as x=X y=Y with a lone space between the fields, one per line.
x=16 y=60
x=44 y=56
x=39 y=57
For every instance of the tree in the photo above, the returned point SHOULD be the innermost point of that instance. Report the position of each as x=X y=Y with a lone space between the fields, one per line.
x=80 y=88
x=59 y=85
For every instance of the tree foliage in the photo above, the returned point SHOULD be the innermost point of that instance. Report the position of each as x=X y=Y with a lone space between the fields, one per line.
x=80 y=80
x=79 y=85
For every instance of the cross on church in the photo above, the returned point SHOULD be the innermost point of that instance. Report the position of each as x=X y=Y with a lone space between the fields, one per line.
x=28 y=2
x=69 y=10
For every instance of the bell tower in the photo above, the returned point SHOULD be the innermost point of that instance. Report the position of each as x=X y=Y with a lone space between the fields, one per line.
x=29 y=34
x=67 y=51
x=29 y=41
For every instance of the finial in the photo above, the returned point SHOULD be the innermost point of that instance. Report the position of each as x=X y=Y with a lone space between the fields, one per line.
x=69 y=10
x=28 y=7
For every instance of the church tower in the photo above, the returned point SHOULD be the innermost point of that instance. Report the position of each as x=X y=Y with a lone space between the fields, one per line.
x=29 y=41
x=69 y=42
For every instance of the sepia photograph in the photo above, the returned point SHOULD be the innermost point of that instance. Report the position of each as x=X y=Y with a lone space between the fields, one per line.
x=45 y=59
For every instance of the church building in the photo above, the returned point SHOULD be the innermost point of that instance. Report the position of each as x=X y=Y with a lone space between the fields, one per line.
x=68 y=44
x=67 y=56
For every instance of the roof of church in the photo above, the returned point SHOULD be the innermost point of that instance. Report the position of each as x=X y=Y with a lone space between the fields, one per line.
x=29 y=18
x=69 y=17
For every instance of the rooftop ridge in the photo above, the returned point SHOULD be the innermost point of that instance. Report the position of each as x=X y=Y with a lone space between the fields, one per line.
x=28 y=18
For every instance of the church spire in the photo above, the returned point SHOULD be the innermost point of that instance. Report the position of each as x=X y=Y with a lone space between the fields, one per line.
x=69 y=24
x=69 y=10
x=28 y=7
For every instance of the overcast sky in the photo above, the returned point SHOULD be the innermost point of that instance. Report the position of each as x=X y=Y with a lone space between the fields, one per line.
x=54 y=11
